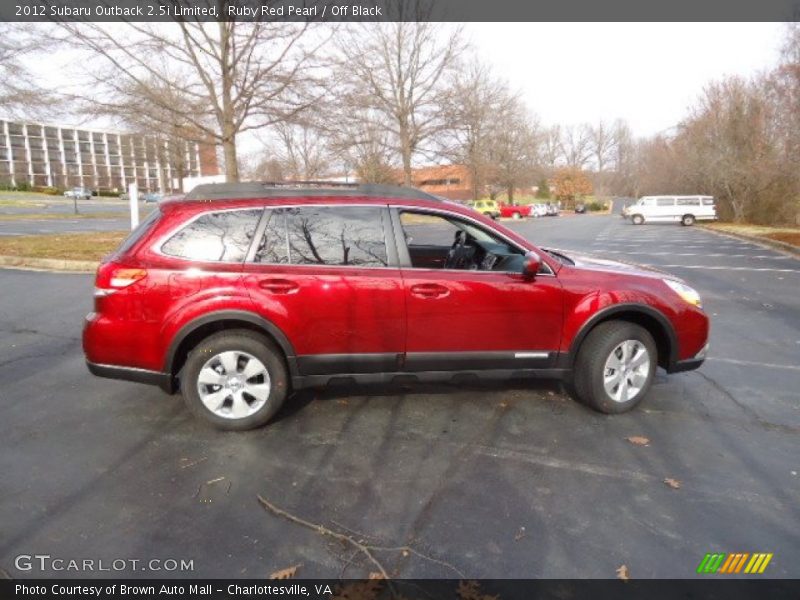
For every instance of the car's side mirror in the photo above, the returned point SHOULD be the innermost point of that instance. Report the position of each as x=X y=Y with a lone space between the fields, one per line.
x=531 y=265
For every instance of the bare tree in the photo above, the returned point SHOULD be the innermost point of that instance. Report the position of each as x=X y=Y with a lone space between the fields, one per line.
x=514 y=148
x=602 y=142
x=477 y=108
x=575 y=144
x=234 y=76
x=301 y=151
x=20 y=93
x=551 y=150
x=395 y=76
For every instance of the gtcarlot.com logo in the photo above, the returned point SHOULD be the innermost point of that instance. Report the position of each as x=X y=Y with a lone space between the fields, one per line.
x=721 y=563
x=46 y=562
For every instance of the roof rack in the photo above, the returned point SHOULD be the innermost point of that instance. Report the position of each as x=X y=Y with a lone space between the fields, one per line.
x=289 y=189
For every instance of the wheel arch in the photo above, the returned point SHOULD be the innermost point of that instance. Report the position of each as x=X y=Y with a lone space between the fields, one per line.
x=654 y=321
x=198 y=329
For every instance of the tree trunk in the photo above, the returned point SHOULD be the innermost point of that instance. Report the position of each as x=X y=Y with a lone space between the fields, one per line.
x=511 y=194
x=231 y=164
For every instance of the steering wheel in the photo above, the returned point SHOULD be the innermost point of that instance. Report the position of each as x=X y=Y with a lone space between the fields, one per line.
x=458 y=254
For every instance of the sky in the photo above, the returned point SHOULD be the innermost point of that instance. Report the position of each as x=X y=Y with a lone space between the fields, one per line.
x=646 y=73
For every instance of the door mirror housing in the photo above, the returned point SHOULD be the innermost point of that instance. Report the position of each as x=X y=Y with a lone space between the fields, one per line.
x=531 y=265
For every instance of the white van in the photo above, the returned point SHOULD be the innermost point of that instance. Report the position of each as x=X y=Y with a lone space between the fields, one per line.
x=685 y=209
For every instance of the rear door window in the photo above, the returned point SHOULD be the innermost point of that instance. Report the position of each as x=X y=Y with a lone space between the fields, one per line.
x=325 y=235
x=215 y=237
x=688 y=202
x=665 y=202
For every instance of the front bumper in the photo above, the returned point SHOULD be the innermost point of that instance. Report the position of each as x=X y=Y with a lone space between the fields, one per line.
x=689 y=364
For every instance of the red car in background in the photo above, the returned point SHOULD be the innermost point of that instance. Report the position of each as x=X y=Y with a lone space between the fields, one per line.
x=514 y=211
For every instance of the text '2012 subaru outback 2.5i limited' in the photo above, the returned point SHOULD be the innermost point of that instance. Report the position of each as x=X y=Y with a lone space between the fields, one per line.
x=241 y=293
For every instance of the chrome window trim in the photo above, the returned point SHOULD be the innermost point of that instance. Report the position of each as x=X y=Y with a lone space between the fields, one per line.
x=156 y=246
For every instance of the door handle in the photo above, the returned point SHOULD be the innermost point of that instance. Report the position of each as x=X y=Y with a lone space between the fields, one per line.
x=429 y=290
x=278 y=286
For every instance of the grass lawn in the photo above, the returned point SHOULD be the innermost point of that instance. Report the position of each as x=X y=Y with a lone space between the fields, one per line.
x=68 y=246
x=789 y=235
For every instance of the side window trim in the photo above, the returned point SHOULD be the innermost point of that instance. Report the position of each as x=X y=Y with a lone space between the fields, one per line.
x=257 y=236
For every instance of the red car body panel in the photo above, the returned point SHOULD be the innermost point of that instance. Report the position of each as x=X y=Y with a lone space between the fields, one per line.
x=393 y=312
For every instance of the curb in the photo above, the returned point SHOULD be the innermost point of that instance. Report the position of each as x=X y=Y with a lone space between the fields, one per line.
x=49 y=264
x=776 y=244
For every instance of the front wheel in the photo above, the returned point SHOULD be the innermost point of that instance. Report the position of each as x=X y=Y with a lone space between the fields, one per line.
x=235 y=380
x=615 y=366
x=637 y=219
x=516 y=216
x=687 y=220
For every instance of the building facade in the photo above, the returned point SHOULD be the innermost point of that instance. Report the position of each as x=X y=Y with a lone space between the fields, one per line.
x=449 y=181
x=65 y=157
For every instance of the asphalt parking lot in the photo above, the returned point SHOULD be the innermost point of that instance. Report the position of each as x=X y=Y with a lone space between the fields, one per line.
x=487 y=481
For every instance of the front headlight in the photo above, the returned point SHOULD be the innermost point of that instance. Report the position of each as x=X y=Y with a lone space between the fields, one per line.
x=684 y=291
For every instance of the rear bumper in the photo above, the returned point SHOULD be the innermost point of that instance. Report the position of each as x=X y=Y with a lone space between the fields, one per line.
x=162 y=380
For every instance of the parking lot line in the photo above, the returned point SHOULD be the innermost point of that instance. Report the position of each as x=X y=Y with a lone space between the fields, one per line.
x=714 y=255
x=750 y=363
x=717 y=268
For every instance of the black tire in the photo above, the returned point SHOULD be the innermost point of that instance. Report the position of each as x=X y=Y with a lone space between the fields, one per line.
x=687 y=220
x=516 y=215
x=637 y=219
x=239 y=340
x=590 y=365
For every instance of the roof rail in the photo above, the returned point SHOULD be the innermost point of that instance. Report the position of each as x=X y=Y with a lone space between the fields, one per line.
x=288 y=189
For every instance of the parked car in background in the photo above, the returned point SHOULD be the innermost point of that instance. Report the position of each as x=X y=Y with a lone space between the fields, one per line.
x=514 y=211
x=241 y=294
x=580 y=208
x=151 y=197
x=489 y=208
x=80 y=193
x=539 y=210
x=677 y=209
x=552 y=210
x=623 y=203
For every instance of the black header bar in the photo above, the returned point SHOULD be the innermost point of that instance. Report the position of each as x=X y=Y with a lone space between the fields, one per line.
x=401 y=10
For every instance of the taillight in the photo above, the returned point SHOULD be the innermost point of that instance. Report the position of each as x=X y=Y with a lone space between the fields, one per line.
x=113 y=276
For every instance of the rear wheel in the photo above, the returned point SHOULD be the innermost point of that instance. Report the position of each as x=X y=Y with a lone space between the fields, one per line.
x=615 y=366
x=637 y=219
x=235 y=380
x=516 y=215
x=687 y=220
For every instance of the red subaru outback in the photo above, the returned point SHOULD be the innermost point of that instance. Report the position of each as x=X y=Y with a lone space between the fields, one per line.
x=241 y=293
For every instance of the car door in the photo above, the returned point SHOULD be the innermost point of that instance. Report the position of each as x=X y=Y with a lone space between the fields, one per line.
x=465 y=319
x=327 y=278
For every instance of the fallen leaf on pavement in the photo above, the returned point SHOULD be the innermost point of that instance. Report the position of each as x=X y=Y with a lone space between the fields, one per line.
x=623 y=574
x=638 y=440
x=673 y=483
x=286 y=573
x=520 y=534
